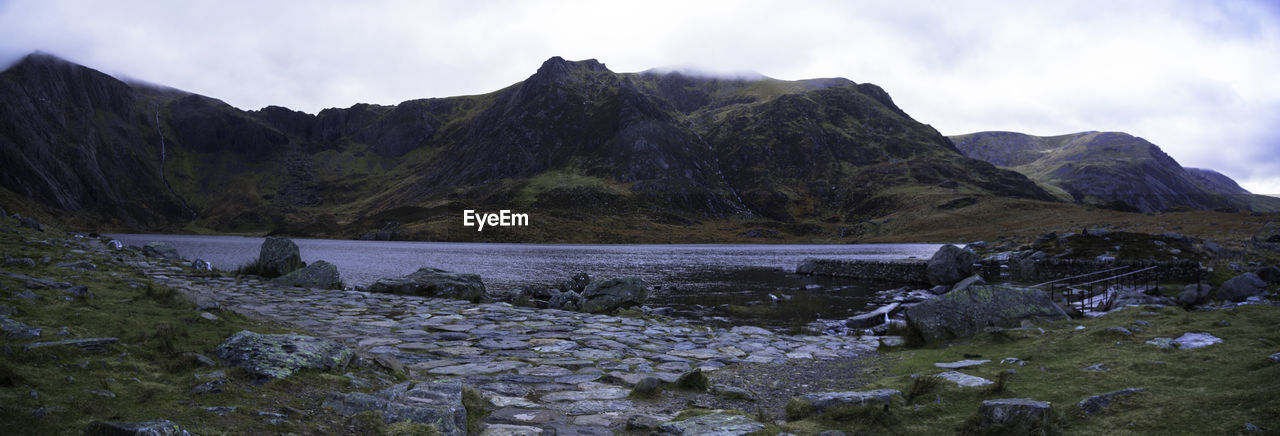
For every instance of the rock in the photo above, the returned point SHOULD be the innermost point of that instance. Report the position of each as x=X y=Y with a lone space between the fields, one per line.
x=162 y=427
x=202 y=265
x=695 y=379
x=750 y=330
x=608 y=295
x=31 y=224
x=80 y=291
x=973 y=280
x=961 y=364
x=479 y=368
x=1275 y=358
x=1191 y=341
x=1020 y=415
x=643 y=422
x=161 y=250
x=21 y=261
x=81 y=266
x=1120 y=331
x=565 y=300
x=438 y=403
x=95 y=345
x=1194 y=295
x=967 y=312
x=1213 y=248
x=964 y=380
x=432 y=282
x=807 y=266
x=1136 y=297
x=873 y=318
x=647 y=386
x=939 y=290
x=318 y=274
x=510 y=430
x=279 y=356
x=1165 y=343
x=577 y=283
x=1270 y=274
x=1241 y=287
x=820 y=402
x=279 y=255
x=733 y=393
x=115 y=244
x=14 y=329
x=950 y=264
x=718 y=424
x=1096 y=403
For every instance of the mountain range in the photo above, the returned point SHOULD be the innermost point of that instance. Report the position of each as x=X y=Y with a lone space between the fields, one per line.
x=589 y=153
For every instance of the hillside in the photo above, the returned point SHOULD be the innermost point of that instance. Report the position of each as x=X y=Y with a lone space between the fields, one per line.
x=1111 y=169
x=577 y=146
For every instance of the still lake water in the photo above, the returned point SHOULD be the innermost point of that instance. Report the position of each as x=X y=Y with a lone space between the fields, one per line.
x=722 y=284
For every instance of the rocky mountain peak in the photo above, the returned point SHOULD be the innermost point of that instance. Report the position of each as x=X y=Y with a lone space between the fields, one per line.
x=558 y=70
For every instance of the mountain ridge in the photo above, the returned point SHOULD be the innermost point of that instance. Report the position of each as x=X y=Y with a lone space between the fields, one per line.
x=576 y=143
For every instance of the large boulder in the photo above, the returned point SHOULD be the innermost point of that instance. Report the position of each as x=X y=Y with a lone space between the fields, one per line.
x=1269 y=274
x=950 y=264
x=607 y=295
x=279 y=255
x=318 y=274
x=577 y=283
x=438 y=403
x=1195 y=294
x=821 y=401
x=279 y=356
x=1242 y=287
x=967 y=312
x=161 y=250
x=973 y=280
x=1017 y=415
x=432 y=282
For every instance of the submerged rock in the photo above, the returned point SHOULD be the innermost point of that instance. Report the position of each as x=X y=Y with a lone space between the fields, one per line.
x=967 y=312
x=318 y=274
x=432 y=282
x=279 y=356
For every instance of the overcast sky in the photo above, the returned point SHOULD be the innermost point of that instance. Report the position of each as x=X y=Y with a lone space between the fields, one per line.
x=1200 y=79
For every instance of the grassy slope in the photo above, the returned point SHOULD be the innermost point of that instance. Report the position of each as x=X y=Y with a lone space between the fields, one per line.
x=146 y=370
x=1213 y=390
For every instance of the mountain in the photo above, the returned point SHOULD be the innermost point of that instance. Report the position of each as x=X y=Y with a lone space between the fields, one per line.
x=1111 y=169
x=585 y=150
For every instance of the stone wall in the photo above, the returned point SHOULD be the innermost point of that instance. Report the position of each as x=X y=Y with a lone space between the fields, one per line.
x=902 y=272
x=1039 y=271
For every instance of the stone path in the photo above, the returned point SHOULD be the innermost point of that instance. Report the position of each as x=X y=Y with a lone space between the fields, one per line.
x=536 y=366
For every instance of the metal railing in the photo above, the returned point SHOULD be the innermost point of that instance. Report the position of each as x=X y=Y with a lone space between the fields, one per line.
x=1099 y=295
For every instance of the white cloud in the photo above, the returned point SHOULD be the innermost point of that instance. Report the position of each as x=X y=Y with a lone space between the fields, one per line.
x=1196 y=78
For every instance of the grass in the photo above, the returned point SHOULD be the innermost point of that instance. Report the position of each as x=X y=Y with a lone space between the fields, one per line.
x=1212 y=390
x=149 y=372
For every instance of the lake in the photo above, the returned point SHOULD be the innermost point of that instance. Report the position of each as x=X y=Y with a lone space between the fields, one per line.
x=721 y=284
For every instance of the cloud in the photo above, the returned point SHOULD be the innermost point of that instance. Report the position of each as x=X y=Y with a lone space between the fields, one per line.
x=1196 y=78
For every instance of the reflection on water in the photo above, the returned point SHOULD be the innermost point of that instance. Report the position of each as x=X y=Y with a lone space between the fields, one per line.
x=731 y=282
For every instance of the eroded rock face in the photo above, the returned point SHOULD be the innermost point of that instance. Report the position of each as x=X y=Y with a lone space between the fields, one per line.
x=279 y=356
x=950 y=264
x=432 y=282
x=438 y=403
x=318 y=274
x=607 y=295
x=280 y=255
x=965 y=313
